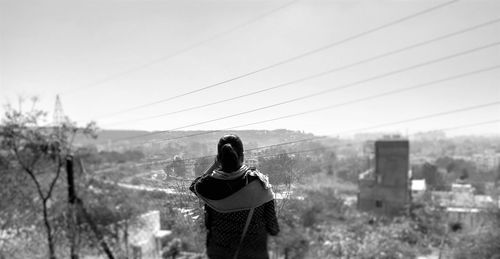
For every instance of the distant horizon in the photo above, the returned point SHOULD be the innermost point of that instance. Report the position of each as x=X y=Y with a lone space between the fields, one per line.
x=388 y=133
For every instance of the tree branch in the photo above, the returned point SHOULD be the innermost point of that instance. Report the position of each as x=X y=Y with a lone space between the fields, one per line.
x=28 y=171
x=58 y=172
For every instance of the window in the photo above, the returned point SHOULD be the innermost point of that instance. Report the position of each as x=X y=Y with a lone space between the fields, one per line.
x=378 y=203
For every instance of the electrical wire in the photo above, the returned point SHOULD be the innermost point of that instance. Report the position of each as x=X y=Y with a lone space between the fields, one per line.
x=433 y=115
x=470 y=125
x=291 y=59
x=329 y=107
x=469 y=108
x=181 y=51
x=324 y=73
x=397 y=71
x=334 y=146
x=264 y=147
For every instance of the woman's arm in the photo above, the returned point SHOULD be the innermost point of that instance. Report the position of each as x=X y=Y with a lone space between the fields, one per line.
x=272 y=225
x=207 y=171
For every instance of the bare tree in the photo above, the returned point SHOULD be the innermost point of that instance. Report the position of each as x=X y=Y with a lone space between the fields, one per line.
x=39 y=152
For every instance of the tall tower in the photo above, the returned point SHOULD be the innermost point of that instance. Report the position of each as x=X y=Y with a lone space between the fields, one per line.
x=58 y=113
x=385 y=189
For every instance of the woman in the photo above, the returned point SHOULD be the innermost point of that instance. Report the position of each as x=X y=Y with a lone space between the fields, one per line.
x=239 y=205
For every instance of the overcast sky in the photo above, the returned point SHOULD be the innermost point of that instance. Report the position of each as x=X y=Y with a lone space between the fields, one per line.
x=107 y=57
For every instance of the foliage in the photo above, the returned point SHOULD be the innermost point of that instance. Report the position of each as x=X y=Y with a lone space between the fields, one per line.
x=390 y=241
x=322 y=225
x=17 y=200
x=117 y=157
x=201 y=164
x=480 y=243
x=280 y=168
x=177 y=167
x=430 y=221
x=456 y=166
x=39 y=152
x=189 y=226
x=91 y=156
x=172 y=249
x=349 y=168
x=320 y=181
x=433 y=178
x=292 y=242
x=110 y=203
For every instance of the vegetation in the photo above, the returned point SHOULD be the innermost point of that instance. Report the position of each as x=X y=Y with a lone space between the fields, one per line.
x=93 y=157
x=318 y=221
x=481 y=242
x=176 y=168
x=38 y=152
x=202 y=164
x=35 y=209
x=322 y=225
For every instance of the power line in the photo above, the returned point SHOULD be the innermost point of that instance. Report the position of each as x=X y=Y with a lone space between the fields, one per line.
x=433 y=115
x=371 y=97
x=184 y=50
x=324 y=73
x=470 y=125
x=283 y=153
x=335 y=146
x=327 y=90
x=262 y=147
x=338 y=145
x=475 y=107
x=297 y=57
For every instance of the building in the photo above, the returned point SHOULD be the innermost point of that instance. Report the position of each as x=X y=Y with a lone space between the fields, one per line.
x=463 y=208
x=385 y=189
x=418 y=189
x=487 y=160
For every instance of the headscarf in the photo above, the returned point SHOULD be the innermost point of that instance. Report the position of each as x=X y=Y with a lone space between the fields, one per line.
x=243 y=171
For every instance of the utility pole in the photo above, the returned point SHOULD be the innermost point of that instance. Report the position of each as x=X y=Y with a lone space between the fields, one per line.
x=76 y=205
x=72 y=228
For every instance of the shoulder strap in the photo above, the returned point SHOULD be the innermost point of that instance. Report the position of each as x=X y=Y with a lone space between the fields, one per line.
x=247 y=223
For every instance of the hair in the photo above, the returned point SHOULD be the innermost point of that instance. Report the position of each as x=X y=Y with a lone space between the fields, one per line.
x=230 y=153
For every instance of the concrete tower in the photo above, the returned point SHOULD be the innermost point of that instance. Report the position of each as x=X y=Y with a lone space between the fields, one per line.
x=385 y=189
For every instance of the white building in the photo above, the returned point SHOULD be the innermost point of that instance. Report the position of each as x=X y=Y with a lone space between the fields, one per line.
x=418 y=188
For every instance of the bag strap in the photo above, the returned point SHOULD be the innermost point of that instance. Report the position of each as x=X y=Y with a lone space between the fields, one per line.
x=247 y=223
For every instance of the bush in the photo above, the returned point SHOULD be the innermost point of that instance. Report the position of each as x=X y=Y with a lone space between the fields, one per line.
x=481 y=243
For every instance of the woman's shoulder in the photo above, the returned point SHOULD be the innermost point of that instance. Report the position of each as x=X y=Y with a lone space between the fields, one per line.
x=216 y=189
x=255 y=174
x=209 y=187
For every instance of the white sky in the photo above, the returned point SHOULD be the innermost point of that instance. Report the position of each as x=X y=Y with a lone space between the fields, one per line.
x=94 y=54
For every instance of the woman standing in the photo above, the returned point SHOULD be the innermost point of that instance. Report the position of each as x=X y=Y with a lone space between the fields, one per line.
x=239 y=205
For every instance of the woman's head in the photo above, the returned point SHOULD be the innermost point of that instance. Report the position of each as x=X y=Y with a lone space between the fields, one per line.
x=230 y=153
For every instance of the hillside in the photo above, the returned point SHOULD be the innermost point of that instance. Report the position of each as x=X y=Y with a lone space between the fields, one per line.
x=250 y=137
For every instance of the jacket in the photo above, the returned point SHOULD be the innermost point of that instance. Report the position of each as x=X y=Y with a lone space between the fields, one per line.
x=227 y=205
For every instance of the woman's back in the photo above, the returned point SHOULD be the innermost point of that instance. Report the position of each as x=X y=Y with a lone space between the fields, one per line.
x=239 y=205
x=225 y=231
x=225 y=224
